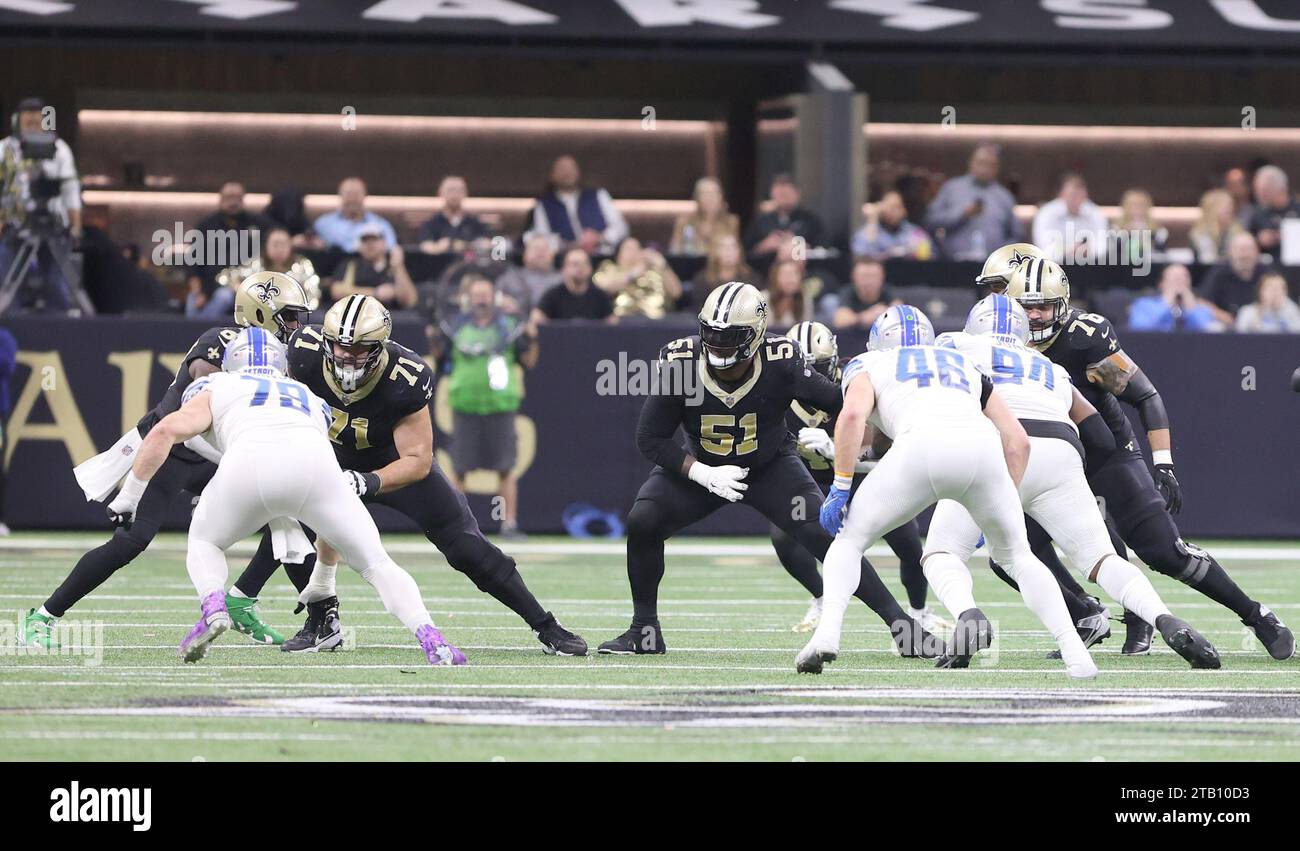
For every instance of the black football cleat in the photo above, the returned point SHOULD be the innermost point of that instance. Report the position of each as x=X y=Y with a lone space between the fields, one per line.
x=1272 y=633
x=322 y=631
x=1093 y=628
x=1137 y=635
x=639 y=640
x=1188 y=643
x=972 y=634
x=913 y=641
x=558 y=641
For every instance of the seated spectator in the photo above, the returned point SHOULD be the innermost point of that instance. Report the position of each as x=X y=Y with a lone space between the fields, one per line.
x=1215 y=227
x=231 y=214
x=519 y=288
x=1174 y=307
x=726 y=263
x=974 y=214
x=1236 y=182
x=888 y=233
x=785 y=220
x=1273 y=203
x=788 y=300
x=1141 y=234
x=1272 y=311
x=575 y=297
x=342 y=228
x=277 y=256
x=578 y=215
x=451 y=228
x=864 y=299
x=639 y=280
x=1070 y=226
x=694 y=232
x=375 y=271
x=288 y=210
x=206 y=300
x=1232 y=284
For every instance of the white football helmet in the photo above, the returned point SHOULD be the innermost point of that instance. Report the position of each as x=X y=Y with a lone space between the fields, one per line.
x=254 y=350
x=999 y=316
x=900 y=325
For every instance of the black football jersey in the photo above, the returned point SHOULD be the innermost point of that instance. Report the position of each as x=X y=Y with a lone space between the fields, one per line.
x=210 y=347
x=362 y=431
x=801 y=416
x=742 y=423
x=1086 y=339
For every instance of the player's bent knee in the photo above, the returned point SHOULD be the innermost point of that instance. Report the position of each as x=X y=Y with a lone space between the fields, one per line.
x=645 y=521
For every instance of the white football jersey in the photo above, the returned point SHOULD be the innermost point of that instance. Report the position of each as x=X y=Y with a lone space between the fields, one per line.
x=919 y=385
x=1033 y=387
x=270 y=407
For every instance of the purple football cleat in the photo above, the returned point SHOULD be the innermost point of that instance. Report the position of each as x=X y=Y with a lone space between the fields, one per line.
x=437 y=648
x=215 y=620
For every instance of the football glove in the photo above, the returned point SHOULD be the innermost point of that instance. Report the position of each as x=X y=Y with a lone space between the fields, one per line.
x=817 y=441
x=1170 y=490
x=121 y=511
x=725 y=481
x=834 y=509
x=362 y=484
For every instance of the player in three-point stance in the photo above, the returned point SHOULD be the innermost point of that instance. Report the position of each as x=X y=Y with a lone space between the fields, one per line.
x=953 y=438
x=276 y=462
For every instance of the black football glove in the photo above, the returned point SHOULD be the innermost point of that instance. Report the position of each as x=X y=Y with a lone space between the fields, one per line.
x=1170 y=490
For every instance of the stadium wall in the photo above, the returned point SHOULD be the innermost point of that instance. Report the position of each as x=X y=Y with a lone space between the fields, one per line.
x=80 y=383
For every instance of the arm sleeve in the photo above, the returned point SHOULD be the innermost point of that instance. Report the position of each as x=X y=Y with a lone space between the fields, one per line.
x=1142 y=394
x=655 y=428
x=814 y=390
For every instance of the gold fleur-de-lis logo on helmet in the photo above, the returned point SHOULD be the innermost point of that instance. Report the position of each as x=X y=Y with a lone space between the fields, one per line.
x=1017 y=258
x=265 y=291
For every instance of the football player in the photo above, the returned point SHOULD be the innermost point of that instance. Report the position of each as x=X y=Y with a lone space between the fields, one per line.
x=813 y=429
x=737 y=449
x=268 y=300
x=379 y=392
x=1140 y=506
x=250 y=412
x=953 y=438
x=1060 y=424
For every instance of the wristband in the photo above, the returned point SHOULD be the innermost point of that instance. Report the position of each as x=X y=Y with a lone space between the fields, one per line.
x=372 y=483
x=1162 y=457
x=843 y=481
x=133 y=487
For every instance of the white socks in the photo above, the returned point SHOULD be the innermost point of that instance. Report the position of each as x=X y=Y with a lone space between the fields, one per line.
x=841 y=574
x=207 y=567
x=400 y=594
x=950 y=581
x=1043 y=597
x=321 y=584
x=1131 y=588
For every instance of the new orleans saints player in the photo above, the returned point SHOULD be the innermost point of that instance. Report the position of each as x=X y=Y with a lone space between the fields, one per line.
x=269 y=300
x=813 y=430
x=379 y=391
x=1141 y=508
x=748 y=381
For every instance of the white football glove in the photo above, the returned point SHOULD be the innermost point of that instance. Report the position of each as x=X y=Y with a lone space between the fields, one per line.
x=726 y=481
x=361 y=483
x=817 y=441
x=121 y=511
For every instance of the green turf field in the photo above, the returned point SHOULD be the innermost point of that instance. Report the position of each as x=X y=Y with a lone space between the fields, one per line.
x=726 y=690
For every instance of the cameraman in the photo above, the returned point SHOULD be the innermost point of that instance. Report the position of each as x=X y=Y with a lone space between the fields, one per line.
x=40 y=194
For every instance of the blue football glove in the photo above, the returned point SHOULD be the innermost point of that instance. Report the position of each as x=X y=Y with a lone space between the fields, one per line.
x=834 y=509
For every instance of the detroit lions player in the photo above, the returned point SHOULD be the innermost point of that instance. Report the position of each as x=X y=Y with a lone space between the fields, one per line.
x=953 y=438
x=276 y=462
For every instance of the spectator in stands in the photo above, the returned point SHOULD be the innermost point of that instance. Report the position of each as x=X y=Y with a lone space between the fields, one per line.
x=784 y=221
x=1273 y=203
x=288 y=210
x=695 y=232
x=887 y=232
x=484 y=391
x=231 y=214
x=1236 y=182
x=575 y=297
x=342 y=228
x=726 y=263
x=277 y=256
x=205 y=299
x=1215 y=227
x=1070 y=226
x=577 y=215
x=974 y=214
x=451 y=228
x=521 y=287
x=1272 y=311
x=639 y=280
x=1138 y=231
x=1174 y=307
x=788 y=299
x=376 y=271
x=864 y=299
x=1233 y=283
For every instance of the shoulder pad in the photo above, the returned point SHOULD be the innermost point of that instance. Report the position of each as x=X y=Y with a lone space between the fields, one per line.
x=685 y=347
x=1091 y=332
x=196 y=387
x=853 y=368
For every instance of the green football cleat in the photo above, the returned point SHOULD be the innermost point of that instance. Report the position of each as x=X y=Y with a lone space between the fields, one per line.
x=38 y=631
x=245 y=618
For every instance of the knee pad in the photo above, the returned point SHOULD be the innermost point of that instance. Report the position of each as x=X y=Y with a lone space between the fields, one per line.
x=1179 y=560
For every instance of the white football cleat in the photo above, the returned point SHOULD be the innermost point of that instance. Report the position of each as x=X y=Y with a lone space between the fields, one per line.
x=1082 y=670
x=811 y=618
x=814 y=655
